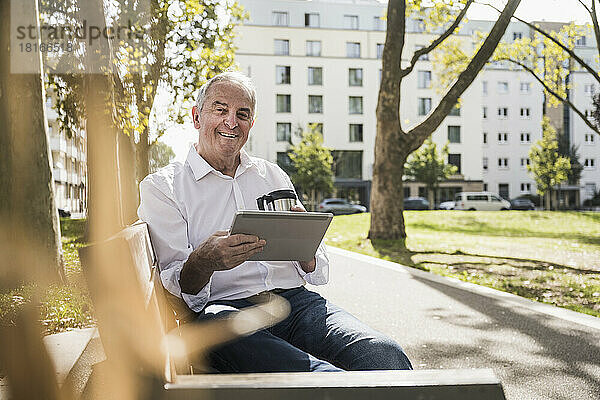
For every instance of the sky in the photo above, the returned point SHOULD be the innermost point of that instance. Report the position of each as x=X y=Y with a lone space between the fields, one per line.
x=180 y=137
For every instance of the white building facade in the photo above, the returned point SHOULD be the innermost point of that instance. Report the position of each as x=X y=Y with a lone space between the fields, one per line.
x=320 y=62
x=69 y=164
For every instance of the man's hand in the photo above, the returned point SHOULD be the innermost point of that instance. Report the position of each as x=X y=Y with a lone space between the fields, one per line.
x=220 y=252
x=307 y=266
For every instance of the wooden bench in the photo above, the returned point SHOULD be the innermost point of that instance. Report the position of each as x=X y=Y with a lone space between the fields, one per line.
x=148 y=348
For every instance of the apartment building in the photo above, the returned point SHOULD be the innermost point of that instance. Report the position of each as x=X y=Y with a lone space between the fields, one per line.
x=319 y=62
x=69 y=164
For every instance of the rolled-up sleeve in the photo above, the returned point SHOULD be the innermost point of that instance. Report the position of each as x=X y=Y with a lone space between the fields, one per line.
x=168 y=231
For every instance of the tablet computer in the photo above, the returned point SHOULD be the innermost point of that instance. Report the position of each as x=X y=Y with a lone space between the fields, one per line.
x=290 y=235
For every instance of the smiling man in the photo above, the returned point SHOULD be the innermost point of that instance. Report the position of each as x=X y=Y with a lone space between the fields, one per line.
x=188 y=208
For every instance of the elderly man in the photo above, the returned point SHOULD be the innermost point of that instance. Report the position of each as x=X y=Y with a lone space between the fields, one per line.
x=190 y=206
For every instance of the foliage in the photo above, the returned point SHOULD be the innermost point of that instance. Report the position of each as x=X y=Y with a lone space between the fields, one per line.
x=428 y=166
x=161 y=155
x=312 y=163
x=571 y=152
x=547 y=166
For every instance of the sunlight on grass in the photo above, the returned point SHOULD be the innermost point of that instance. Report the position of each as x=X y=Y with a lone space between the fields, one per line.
x=551 y=257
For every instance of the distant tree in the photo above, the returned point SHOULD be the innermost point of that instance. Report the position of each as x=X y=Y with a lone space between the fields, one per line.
x=547 y=166
x=394 y=143
x=312 y=164
x=570 y=151
x=428 y=166
x=161 y=155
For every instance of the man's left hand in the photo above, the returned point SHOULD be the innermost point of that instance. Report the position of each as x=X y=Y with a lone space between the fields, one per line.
x=307 y=266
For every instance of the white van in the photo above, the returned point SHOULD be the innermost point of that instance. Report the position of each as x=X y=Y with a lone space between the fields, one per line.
x=481 y=201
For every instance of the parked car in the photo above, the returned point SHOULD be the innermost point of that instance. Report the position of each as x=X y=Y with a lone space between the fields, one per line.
x=340 y=206
x=481 y=201
x=446 y=205
x=416 y=203
x=522 y=204
x=64 y=213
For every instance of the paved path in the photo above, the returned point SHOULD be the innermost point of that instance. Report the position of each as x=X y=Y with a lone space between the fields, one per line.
x=537 y=351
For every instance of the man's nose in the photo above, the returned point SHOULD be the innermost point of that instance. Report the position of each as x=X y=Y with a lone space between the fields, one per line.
x=231 y=121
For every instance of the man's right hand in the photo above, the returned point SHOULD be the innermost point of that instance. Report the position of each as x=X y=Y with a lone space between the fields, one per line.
x=219 y=252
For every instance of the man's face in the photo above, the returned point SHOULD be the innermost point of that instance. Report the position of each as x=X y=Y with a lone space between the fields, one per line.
x=224 y=122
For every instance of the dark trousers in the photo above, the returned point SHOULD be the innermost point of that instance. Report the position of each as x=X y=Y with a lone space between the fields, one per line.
x=316 y=336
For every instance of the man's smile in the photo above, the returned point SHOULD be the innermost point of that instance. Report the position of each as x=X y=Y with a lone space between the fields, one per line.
x=228 y=135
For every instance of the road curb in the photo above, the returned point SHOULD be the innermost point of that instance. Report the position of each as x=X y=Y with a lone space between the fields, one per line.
x=557 y=312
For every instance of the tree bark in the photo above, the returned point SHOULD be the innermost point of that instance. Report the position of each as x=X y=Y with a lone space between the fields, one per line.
x=142 y=153
x=28 y=210
x=392 y=144
x=127 y=178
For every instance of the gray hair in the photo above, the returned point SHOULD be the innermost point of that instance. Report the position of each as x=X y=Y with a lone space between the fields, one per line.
x=230 y=76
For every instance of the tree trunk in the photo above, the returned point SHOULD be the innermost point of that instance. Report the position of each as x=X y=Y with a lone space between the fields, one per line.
x=28 y=210
x=127 y=178
x=547 y=200
x=431 y=197
x=142 y=154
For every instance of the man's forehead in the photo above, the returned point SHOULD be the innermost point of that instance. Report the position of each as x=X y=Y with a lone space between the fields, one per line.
x=229 y=94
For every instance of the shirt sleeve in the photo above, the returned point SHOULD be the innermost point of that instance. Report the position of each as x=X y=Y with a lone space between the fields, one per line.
x=320 y=276
x=168 y=231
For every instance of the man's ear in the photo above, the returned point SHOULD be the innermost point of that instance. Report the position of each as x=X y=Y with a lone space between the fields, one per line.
x=196 y=117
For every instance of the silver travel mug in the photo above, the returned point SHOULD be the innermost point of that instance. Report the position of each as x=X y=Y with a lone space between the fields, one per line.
x=278 y=200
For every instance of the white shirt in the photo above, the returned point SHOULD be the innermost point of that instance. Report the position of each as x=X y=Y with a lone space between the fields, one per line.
x=184 y=204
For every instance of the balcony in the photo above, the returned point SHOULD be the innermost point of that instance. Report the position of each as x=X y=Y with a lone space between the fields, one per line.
x=59 y=174
x=58 y=144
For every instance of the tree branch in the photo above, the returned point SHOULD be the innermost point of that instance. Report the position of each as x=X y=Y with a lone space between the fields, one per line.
x=436 y=42
x=466 y=77
x=595 y=23
x=585 y=6
x=557 y=42
x=553 y=93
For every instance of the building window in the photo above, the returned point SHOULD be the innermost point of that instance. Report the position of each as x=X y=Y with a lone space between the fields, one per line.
x=525 y=187
x=380 y=50
x=485 y=163
x=502 y=87
x=347 y=164
x=525 y=87
x=424 y=78
x=353 y=49
x=525 y=112
x=313 y=48
x=378 y=24
x=419 y=25
x=502 y=112
x=525 y=138
x=315 y=104
x=590 y=189
x=312 y=20
x=424 y=57
x=484 y=87
x=424 y=105
x=356 y=132
x=454 y=159
x=502 y=137
x=315 y=76
x=517 y=35
x=589 y=88
x=284 y=131
x=355 y=104
x=350 y=21
x=589 y=138
x=484 y=112
x=282 y=47
x=454 y=134
x=581 y=40
x=589 y=163
x=455 y=112
x=285 y=162
x=282 y=74
x=502 y=163
x=525 y=162
x=284 y=103
x=280 y=18
x=484 y=137
x=316 y=127
x=355 y=77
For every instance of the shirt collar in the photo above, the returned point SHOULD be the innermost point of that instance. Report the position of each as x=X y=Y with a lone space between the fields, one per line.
x=200 y=167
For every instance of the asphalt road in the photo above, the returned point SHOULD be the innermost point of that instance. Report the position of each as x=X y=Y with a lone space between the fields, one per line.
x=537 y=351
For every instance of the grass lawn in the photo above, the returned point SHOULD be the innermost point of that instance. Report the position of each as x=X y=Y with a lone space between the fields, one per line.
x=61 y=306
x=552 y=257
